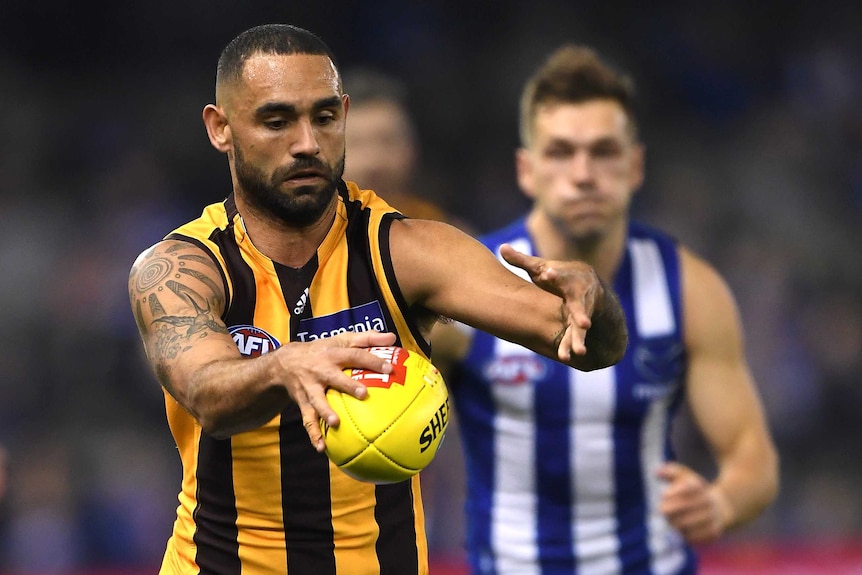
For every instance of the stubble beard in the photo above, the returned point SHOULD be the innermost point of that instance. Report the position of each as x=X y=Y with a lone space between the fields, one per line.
x=300 y=207
x=585 y=238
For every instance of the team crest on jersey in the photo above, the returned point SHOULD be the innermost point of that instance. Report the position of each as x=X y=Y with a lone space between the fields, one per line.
x=659 y=364
x=515 y=369
x=365 y=317
x=252 y=341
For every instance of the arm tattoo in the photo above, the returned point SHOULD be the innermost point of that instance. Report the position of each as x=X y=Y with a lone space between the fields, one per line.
x=199 y=259
x=203 y=319
x=155 y=305
x=204 y=280
x=156 y=269
x=172 y=334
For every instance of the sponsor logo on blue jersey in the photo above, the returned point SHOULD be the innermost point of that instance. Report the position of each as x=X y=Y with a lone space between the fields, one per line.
x=252 y=341
x=365 y=317
x=515 y=369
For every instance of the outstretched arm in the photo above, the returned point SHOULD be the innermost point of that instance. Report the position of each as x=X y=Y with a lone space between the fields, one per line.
x=727 y=409
x=177 y=297
x=571 y=317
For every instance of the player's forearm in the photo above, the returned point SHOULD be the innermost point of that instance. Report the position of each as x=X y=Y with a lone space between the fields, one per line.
x=748 y=487
x=229 y=396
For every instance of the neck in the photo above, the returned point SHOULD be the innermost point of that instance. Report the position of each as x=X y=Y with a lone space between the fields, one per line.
x=282 y=243
x=603 y=252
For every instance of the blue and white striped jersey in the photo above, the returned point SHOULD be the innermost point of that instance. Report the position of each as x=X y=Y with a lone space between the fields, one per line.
x=561 y=463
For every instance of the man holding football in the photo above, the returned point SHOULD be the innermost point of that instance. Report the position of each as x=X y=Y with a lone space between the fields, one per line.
x=295 y=249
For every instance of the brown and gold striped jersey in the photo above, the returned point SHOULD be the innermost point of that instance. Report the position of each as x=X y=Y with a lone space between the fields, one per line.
x=264 y=501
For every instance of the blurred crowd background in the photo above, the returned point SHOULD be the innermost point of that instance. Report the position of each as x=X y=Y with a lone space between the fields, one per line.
x=752 y=120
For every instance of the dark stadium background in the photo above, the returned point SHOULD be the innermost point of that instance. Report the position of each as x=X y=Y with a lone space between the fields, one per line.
x=754 y=135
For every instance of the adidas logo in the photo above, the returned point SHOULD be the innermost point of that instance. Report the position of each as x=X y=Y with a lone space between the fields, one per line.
x=300 y=305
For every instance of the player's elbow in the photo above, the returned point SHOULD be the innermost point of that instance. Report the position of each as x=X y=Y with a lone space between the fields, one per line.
x=222 y=415
x=215 y=420
x=203 y=406
x=214 y=427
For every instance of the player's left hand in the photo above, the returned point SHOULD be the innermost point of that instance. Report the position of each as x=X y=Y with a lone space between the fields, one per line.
x=698 y=509
x=574 y=281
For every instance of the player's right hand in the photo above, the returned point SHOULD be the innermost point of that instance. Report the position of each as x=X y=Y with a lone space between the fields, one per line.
x=309 y=368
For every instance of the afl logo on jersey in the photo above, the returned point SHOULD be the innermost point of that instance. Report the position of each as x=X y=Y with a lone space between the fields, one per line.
x=515 y=369
x=252 y=341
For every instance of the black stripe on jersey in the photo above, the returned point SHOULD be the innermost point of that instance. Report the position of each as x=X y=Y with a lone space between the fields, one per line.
x=294 y=282
x=301 y=465
x=362 y=285
x=393 y=283
x=396 y=542
x=242 y=304
x=308 y=533
x=215 y=515
x=230 y=209
x=397 y=537
x=209 y=252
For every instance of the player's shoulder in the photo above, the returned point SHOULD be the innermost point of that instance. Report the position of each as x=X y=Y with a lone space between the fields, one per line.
x=703 y=283
x=167 y=249
x=432 y=233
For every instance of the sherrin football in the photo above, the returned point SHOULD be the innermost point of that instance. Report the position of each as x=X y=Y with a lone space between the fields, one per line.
x=396 y=430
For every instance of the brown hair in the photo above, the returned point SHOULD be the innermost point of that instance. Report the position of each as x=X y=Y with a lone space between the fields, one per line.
x=574 y=74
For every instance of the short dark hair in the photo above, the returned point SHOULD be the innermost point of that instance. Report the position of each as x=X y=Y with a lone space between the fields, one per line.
x=267 y=39
x=575 y=74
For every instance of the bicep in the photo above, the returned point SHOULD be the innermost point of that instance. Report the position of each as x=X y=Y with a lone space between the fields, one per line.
x=720 y=387
x=452 y=274
x=177 y=297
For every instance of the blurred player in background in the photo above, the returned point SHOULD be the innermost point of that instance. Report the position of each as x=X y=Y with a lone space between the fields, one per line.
x=383 y=144
x=573 y=472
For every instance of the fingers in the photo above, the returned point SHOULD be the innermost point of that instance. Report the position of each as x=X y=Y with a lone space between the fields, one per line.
x=690 y=504
x=528 y=263
x=311 y=422
x=572 y=343
x=575 y=282
x=312 y=368
x=369 y=339
x=542 y=272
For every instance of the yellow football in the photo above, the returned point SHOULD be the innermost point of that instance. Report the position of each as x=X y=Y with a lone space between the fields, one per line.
x=396 y=430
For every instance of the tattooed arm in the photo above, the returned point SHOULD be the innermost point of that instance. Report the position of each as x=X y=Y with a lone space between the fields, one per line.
x=178 y=298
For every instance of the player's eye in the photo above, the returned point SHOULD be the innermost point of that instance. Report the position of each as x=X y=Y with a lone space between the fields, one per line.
x=558 y=152
x=606 y=150
x=324 y=119
x=275 y=123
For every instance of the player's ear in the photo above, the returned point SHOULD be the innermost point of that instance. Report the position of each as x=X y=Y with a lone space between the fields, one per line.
x=524 y=171
x=218 y=129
